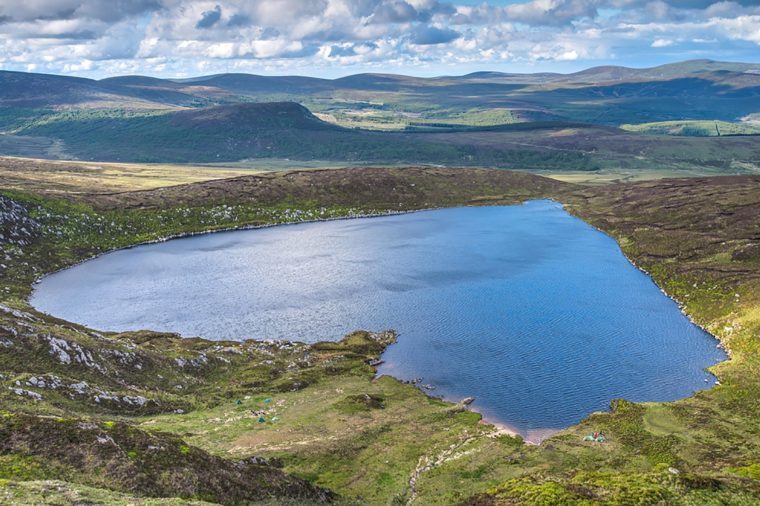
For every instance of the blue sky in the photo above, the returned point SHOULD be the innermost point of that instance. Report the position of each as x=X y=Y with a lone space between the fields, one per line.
x=331 y=38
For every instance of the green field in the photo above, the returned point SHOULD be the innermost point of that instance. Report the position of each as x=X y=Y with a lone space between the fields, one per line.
x=380 y=119
x=695 y=128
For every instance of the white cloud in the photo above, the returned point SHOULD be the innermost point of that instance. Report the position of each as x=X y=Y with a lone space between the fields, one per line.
x=83 y=65
x=177 y=36
x=740 y=28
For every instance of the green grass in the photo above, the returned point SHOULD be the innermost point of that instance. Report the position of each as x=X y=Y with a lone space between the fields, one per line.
x=252 y=131
x=15 y=118
x=329 y=421
x=310 y=433
x=695 y=128
x=60 y=493
x=751 y=471
x=23 y=468
x=381 y=118
x=661 y=421
x=473 y=137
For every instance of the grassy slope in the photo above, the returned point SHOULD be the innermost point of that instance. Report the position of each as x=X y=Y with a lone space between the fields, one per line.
x=381 y=439
x=611 y=148
x=286 y=130
x=100 y=378
x=698 y=239
x=270 y=130
x=695 y=128
x=63 y=177
x=373 y=188
x=60 y=493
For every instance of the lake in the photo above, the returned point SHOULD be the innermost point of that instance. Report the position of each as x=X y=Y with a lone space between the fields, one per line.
x=533 y=312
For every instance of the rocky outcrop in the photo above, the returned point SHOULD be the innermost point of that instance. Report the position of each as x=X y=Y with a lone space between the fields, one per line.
x=151 y=464
x=16 y=227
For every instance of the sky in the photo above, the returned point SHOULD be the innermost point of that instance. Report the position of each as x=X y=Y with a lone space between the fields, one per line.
x=333 y=38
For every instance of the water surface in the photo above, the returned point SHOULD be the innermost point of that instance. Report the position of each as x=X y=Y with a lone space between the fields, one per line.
x=528 y=309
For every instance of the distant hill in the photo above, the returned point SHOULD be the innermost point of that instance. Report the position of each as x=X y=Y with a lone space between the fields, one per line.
x=137 y=81
x=281 y=130
x=252 y=118
x=286 y=130
x=681 y=70
x=18 y=89
x=229 y=117
x=249 y=83
x=227 y=132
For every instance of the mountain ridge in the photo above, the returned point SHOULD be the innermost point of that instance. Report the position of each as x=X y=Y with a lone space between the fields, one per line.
x=37 y=89
x=529 y=121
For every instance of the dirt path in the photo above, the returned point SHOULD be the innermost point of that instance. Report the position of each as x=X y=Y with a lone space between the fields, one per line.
x=427 y=463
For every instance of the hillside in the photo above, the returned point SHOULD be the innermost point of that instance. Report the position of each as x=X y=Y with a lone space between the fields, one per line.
x=29 y=91
x=246 y=84
x=727 y=91
x=695 y=128
x=268 y=130
x=153 y=415
x=261 y=131
x=520 y=121
x=86 y=427
x=385 y=188
x=707 y=69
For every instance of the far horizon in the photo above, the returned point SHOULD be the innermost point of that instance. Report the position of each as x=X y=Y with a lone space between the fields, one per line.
x=402 y=74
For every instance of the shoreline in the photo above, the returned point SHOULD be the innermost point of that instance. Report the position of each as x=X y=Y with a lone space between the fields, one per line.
x=533 y=437
x=186 y=235
x=679 y=304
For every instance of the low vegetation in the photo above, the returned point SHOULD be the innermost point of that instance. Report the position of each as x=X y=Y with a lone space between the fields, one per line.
x=695 y=128
x=259 y=132
x=377 y=117
x=270 y=130
x=62 y=177
x=150 y=418
x=693 y=90
x=536 y=122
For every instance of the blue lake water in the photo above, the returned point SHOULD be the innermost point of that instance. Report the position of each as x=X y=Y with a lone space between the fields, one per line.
x=529 y=310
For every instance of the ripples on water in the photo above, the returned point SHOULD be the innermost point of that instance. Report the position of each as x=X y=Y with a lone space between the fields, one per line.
x=528 y=309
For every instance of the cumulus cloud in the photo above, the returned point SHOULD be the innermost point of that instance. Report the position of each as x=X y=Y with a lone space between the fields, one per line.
x=551 y=12
x=394 y=12
x=104 y=10
x=209 y=18
x=431 y=35
x=177 y=37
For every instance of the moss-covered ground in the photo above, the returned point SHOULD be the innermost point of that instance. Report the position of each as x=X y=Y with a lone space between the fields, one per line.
x=149 y=418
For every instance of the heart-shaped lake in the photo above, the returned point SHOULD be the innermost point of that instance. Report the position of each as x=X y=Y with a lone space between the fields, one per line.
x=531 y=311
